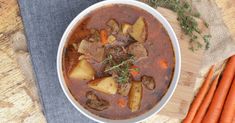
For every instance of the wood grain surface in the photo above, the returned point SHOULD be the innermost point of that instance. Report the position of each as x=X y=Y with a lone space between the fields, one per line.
x=18 y=94
x=178 y=106
x=19 y=101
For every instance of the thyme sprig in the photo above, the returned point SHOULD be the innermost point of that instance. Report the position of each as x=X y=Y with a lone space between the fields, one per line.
x=186 y=18
x=122 y=69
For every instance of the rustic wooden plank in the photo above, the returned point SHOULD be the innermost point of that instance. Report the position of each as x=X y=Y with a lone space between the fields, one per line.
x=18 y=95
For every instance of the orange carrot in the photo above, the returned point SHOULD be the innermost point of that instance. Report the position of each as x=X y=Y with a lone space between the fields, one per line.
x=163 y=64
x=200 y=96
x=134 y=71
x=206 y=102
x=233 y=118
x=229 y=106
x=104 y=36
x=122 y=102
x=216 y=106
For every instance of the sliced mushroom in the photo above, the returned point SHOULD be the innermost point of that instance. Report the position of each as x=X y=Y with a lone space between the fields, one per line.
x=148 y=82
x=96 y=103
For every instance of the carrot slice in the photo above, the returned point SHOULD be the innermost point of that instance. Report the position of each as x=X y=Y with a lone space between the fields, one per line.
x=216 y=106
x=163 y=64
x=104 y=36
x=229 y=106
x=200 y=96
x=206 y=102
x=122 y=102
x=134 y=71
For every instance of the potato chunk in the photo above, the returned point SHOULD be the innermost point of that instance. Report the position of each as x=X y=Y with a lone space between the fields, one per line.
x=106 y=85
x=135 y=96
x=83 y=71
x=139 y=30
x=125 y=28
x=111 y=39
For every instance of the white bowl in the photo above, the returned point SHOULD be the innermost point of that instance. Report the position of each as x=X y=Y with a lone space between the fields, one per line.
x=174 y=42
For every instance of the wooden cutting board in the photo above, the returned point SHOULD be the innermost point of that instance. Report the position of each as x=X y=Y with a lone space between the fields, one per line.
x=16 y=90
x=178 y=105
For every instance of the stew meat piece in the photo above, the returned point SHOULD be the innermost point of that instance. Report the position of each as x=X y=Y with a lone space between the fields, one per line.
x=118 y=53
x=93 y=49
x=138 y=50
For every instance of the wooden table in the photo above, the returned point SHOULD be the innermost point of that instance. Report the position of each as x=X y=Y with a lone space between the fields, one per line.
x=19 y=100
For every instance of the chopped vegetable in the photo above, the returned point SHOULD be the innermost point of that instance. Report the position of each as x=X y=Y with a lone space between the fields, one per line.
x=139 y=30
x=82 y=57
x=134 y=71
x=163 y=64
x=229 y=106
x=216 y=106
x=83 y=71
x=124 y=88
x=125 y=28
x=106 y=85
x=135 y=96
x=199 y=98
x=75 y=46
x=111 y=39
x=104 y=36
x=206 y=102
x=114 y=25
x=122 y=102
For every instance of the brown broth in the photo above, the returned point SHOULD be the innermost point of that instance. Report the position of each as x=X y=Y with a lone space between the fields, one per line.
x=158 y=46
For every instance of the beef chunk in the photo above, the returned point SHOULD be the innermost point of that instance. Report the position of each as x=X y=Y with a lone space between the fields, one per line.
x=124 y=88
x=148 y=82
x=114 y=26
x=118 y=53
x=93 y=49
x=138 y=50
x=96 y=103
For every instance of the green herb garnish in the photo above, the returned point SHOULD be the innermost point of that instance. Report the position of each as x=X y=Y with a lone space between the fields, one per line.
x=121 y=69
x=186 y=19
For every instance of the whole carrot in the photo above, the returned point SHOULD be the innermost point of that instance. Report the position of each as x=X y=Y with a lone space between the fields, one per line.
x=216 y=106
x=229 y=106
x=200 y=96
x=206 y=102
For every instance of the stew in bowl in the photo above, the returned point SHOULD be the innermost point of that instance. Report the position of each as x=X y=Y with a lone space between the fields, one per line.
x=118 y=62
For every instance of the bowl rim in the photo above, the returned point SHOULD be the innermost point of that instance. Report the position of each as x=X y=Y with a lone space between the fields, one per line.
x=176 y=49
